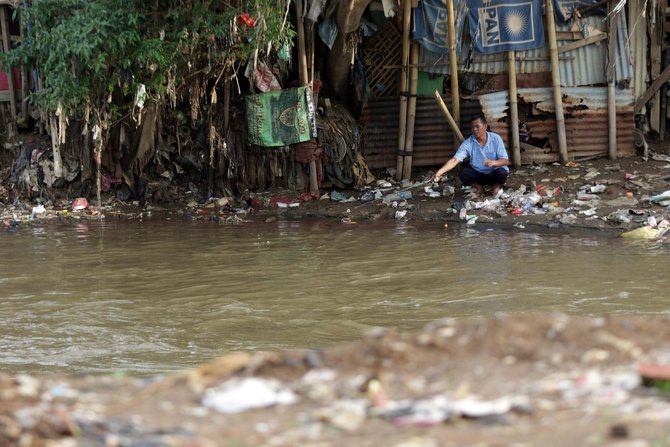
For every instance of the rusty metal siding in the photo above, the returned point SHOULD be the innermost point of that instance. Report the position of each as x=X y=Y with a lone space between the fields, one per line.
x=585 y=123
x=585 y=119
x=433 y=139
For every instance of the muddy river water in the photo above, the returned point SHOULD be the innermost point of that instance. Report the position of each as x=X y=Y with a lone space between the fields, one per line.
x=157 y=296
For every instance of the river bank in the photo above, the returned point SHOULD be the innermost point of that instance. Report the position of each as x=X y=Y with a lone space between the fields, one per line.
x=501 y=381
x=522 y=379
x=601 y=195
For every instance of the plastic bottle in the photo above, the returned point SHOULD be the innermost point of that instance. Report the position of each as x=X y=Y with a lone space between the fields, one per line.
x=402 y=195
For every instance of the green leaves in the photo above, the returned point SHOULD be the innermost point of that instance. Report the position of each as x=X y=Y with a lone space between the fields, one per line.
x=86 y=49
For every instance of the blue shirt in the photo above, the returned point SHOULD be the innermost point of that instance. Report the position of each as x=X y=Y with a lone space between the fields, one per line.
x=494 y=149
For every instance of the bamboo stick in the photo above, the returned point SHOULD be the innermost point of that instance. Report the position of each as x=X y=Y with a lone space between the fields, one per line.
x=611 y=79
x=4 y=25
x=453 y=63
x=411 y=114
x=402 y=125
x=304 y=79
x=447 y=115
x=513 y=110
x=556 y=81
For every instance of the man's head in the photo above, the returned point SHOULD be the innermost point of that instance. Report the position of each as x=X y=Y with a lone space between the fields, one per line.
x=478 y=125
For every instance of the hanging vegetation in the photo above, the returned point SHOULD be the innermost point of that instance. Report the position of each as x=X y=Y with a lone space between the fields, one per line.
x=104 y=63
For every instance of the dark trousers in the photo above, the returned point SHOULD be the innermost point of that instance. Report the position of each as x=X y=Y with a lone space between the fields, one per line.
x=469 y=176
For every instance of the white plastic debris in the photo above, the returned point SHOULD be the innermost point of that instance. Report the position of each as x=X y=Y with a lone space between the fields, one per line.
x=237 y=395
x=39 y=209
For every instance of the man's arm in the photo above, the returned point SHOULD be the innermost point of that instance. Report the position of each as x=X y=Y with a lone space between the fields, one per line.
x=496 y=163
x=448 y=166
x=502 y=159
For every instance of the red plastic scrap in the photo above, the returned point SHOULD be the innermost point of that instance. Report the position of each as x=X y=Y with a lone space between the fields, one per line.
x=308 y=196
x=276 y=200
x=80 y=203
x=652 y=371
x=246 y=19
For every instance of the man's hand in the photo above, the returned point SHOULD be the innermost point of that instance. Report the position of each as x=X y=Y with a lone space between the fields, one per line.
x=489 y=163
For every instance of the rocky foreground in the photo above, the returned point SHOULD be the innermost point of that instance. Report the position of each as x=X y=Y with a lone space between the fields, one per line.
x=507 y=380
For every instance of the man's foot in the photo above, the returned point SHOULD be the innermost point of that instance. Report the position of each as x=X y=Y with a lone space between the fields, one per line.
x=496 y=190
x=478 y=189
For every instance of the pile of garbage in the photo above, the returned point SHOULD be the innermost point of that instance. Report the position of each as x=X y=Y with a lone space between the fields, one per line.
x=473 y=377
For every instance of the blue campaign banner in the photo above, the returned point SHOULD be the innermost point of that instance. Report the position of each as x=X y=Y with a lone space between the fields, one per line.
x=563 y=9
x=431 y=26
x=505 y=25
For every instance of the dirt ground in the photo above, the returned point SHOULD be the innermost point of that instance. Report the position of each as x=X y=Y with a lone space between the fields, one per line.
x=521 y=380
x=516 y=380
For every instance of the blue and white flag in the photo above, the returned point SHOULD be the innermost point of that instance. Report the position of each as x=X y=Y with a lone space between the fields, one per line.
x=505 y=25
x=431 y=26
x=563 y=9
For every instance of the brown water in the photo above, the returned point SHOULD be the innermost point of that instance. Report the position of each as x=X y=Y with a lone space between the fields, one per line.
x=155 y=296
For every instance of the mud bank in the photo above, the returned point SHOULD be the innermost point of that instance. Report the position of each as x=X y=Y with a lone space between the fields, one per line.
x=610 y=197
x=506 y=380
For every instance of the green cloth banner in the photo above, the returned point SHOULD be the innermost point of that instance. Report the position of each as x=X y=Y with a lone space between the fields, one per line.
x=281 y=117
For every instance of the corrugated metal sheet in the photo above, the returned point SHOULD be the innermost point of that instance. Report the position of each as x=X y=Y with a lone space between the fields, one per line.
x=582 y=66
x=433 y=139
x=585 y=113
x=585 y=123
x=639 y=41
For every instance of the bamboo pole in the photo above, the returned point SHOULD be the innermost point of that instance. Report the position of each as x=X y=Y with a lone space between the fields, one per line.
x=402 y=125
x=453 y=63
x=513 y=109
x=24 y=71
x=611 y=79
x=411 y=113
x=447 y=115
x=655 y=46
x=556 y=81
x=4 y=25
x=304 y=79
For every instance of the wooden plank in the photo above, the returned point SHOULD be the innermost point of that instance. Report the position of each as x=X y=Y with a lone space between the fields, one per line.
x=653 y=88
x=581 y=43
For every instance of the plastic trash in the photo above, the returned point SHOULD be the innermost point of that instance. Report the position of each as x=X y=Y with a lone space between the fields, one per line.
x=643 y=233
x=402 y=195
x=237 y=395
x=661 y=197
x=586 y=196
x=39 y=209
x=79 y=204
x=337 y=196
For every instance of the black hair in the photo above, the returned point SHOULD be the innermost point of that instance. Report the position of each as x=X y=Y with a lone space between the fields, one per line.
x=479 y=116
